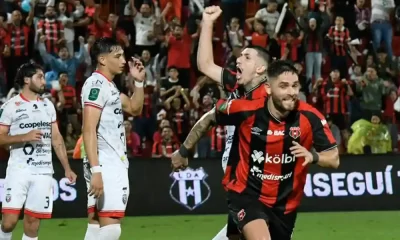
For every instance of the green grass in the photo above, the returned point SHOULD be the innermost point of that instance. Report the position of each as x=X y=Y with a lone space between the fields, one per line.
x=310 y=226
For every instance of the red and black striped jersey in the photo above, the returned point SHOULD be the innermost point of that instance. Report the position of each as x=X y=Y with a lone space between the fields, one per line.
x=266 y=167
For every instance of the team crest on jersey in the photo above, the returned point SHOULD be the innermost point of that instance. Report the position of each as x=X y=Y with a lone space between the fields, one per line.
x=189 y=188
x=8 y=198
x=124 y=199
x=94 y=94
x=294 y=132
x=241 y=214
x=17 y=104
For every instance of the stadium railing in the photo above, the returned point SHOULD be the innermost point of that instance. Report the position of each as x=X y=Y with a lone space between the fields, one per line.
x=367 y=182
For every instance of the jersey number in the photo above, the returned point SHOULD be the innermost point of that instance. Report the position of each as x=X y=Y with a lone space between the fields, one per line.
x=47 y=203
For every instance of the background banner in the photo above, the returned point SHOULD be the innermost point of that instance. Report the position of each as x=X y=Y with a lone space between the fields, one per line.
x=361 y=183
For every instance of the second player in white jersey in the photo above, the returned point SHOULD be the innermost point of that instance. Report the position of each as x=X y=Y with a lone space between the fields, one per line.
x=106 y=167
x=99 y=92
x=28 y=126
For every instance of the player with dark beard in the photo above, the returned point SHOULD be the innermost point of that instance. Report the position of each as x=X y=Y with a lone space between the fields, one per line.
x=246 y=83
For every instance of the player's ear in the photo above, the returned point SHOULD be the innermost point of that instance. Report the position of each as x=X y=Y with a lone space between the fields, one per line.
x=261 y=69
x=26 y=80
x=101 y=60
x=267 y=88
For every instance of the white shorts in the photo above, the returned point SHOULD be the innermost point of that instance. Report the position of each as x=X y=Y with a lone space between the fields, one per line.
x=116 y=192
x=35 y=191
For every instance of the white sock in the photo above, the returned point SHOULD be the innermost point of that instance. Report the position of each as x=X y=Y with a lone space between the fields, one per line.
x=92 y=232
x=24 y=237
x=110 y=232
x=222 y=234
x=5 y=236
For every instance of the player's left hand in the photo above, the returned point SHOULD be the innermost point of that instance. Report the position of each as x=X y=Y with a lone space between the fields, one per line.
x=178 y=162
x=299 y=151
x=71 y=176
x=136 y=69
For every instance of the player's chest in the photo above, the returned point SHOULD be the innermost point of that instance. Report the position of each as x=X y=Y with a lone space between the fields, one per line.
x=113 y=107
x=30 y=116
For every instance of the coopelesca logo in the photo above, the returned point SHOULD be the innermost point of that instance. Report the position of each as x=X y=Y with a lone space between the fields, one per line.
x=189 y=188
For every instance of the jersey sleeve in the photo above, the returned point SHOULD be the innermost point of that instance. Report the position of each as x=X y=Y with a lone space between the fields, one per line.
x=323 y=139
x=94 y=95
x=228 y=79
x=6 y=114
x=235 y=111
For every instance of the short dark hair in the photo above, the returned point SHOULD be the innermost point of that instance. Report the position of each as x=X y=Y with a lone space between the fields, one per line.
x=61 y=73
x=262 y=52
x=278 y=67
x=101 y=46
x=26 y=70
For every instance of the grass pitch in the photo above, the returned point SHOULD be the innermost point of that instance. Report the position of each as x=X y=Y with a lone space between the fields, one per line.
x=310 y=226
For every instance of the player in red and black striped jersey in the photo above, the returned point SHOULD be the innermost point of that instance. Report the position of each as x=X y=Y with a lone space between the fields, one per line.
x=246 y=82
x=276 y=135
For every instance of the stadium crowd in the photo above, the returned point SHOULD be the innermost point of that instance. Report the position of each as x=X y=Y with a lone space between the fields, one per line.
x=345 y=51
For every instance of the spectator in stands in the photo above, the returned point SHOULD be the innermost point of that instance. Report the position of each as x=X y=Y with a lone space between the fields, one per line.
x=289 y=45
x=363 y=19
x=52 y=30
x=233 y=34
x=385 y=66
x=68 y=23
x=217 y=143
x=132 y=140
x=233 y=8
x=259 y=37
x=166 y=146
x=313 y=47
x=179 y=44
x=340 y=38
x=171 y=84
x=64 y=97
x=335 y=131
x=269 y=15
x=70 y=139
x=65 y=62
x=381 y=27
x=150 y=65
x=335 y=93
x=372 y=89
x=16 y=44
x=204 y=144
x=177 y=112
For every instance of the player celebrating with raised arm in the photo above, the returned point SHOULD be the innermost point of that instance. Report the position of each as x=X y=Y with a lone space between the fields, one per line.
x=28 y=127
x=246 y=83
x=106 y=171
x=275 y=141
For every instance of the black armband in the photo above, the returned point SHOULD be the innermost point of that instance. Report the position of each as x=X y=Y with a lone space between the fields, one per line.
x=315 y=157
x=183 y=151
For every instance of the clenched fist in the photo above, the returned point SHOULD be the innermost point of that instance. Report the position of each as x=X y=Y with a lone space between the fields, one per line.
x=211 y=13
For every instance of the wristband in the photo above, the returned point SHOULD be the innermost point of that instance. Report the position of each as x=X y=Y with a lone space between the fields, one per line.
x=315 y=157
x=183 y=151
x=138 y=84
x=95 y=169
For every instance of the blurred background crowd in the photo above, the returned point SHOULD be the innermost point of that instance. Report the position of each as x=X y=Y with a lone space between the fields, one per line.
x=347 y=54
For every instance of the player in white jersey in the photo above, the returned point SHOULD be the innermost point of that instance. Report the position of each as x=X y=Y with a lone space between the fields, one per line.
x=106 y=171
x=28 y=127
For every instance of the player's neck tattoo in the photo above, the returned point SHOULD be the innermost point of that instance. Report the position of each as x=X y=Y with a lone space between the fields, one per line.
x=257 y=81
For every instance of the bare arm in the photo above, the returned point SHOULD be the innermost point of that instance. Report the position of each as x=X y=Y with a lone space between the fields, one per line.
x=91 y=117
x=199 y=129
x=329 y=159
x=59 y=146
x=133 y=105
x=205 y=58
x=6 y=140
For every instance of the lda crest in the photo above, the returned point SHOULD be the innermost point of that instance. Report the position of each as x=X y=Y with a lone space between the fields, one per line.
x=190 y=188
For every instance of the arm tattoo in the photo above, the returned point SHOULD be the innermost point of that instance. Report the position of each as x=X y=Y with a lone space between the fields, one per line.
x=199 y=129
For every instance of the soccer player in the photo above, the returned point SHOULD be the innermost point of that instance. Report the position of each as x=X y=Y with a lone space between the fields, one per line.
x=276 y=138
x=28 y=126
x=246 y=83
x=106 y=167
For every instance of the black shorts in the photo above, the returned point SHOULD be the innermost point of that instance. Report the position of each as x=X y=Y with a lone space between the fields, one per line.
x=231 y=229
x=245 y=209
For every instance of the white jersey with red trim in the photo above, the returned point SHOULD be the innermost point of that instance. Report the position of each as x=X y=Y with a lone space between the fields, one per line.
x=99 y=92
x=22 y=116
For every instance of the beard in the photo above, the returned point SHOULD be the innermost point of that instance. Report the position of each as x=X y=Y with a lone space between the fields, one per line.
x=36 y=89
x=283 y=107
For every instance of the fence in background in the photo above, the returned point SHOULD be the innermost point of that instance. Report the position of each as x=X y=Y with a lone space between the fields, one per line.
x=361 y=183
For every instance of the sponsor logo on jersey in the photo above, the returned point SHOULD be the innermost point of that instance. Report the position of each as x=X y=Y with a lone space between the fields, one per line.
x=94 y=94
x=118 y=111
x=40 y=124
x=20 y=110
x=189 y=188
x=22 y=117
x=35 y=106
